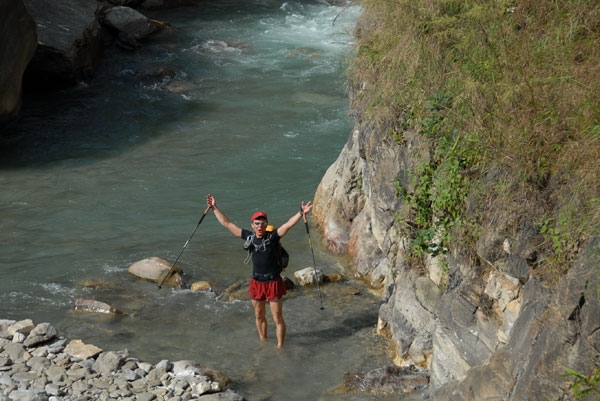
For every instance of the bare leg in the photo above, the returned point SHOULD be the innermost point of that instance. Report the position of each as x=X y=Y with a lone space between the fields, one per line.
x=277 y=313
x=261 y=318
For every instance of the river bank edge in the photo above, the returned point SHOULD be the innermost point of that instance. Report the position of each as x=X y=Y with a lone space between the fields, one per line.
x=38 y=364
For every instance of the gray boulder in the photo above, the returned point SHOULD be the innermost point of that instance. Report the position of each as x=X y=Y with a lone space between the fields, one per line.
x=40 y=334
x=110 y=361
x=18 y=44
x=69 y=43
x=131 y=25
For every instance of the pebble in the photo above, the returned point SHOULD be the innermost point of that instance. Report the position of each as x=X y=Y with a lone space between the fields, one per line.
x=38 y=365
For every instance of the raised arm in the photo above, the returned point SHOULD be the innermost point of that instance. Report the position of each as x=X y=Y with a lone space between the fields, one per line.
x=304 y=209
x=224 y=220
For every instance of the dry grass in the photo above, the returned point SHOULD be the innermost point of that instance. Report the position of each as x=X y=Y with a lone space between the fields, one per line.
x=523 y=79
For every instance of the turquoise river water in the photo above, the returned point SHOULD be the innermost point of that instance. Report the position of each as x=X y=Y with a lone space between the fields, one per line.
x=245 y=100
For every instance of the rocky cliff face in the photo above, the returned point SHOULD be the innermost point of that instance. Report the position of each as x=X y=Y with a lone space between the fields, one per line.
x=18 y=44
x=485 y=327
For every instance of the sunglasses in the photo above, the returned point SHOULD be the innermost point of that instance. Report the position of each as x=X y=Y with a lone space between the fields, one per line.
x=260 y=223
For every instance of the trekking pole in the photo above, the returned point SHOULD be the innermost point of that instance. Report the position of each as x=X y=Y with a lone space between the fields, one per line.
x=184 y=246
x=313 y=257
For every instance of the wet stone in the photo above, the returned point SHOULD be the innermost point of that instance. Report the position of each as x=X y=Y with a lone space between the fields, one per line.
x=108 y=362
x=80 y=387
x=57 y=346
x=53 y=389
x=18 y=367
x=4 y=325
x=147 y=396
x=55 y=374
x=14 y=352
x=130 y=375
x=38 y=364
x=40 y=333
x=18 y=337
x=78 y=372
x=100 y=383
x=28 y=395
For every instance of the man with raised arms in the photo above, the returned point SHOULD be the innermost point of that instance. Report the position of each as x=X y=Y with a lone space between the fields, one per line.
x=266 y=283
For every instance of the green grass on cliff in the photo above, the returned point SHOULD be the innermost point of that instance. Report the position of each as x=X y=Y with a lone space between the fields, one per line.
x=506 y=93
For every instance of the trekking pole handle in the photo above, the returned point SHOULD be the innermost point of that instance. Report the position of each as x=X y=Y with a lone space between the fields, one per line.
x=304 y=217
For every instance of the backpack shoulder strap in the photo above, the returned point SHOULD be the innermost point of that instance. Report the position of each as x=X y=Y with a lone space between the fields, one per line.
x=249 y=246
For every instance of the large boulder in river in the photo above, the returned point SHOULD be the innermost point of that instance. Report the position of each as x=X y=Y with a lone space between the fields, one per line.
x=69 y=43
x=130 y=24
x=130 y=21
x=156 y=269
x=154 y=4
x=19 y=40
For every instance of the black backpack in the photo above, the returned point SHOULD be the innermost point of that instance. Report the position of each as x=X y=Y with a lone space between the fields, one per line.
x=283 y=258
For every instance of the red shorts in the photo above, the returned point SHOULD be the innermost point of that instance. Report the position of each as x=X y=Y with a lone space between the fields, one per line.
x=270 y=291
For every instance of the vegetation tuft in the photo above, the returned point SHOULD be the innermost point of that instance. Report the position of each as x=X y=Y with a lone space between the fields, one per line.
x=584 y=385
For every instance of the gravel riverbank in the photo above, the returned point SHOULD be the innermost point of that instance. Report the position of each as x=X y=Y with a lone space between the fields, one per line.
x=36 y=364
